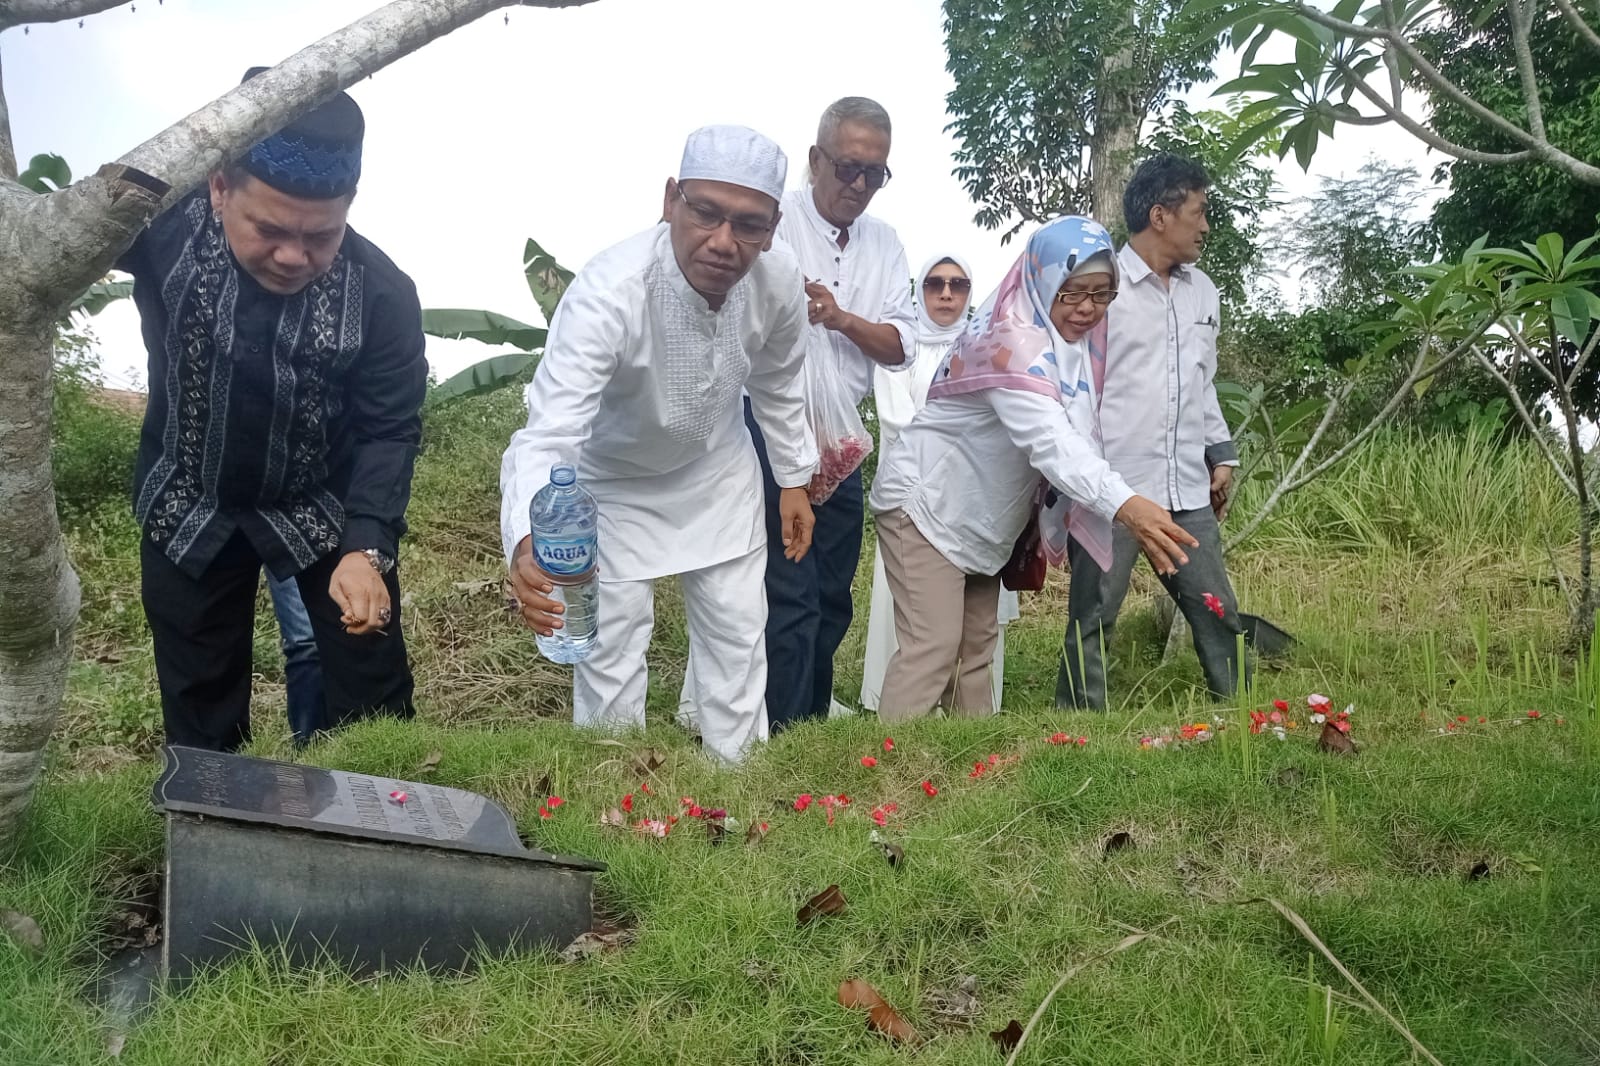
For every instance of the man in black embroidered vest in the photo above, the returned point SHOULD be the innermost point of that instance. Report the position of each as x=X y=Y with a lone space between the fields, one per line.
x=286 y=383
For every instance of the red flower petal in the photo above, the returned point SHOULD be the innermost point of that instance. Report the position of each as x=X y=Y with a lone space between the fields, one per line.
x=842 y=800
x=880 y=816
x=399 y=797
x=627 y=803
x=1461 y=718
x=1482 y=721
x=927 y=786
x=1342 y=726
x=888 y=743
x=554 y=801
x=644 y=786
x=1082 y=741
x=544 y=812
x=1282 y=705
x=696 y=811
x=994 y=760
x=1213 y=604
x=869 y=761
x=1059 y=738
x=802 y=801
x=1535 y=714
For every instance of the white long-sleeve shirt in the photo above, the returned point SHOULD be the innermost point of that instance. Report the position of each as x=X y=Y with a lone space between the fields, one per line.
x=868 y=277
x=898 y=397
x=640 y=384
x=966 y=468
x=1159 y=413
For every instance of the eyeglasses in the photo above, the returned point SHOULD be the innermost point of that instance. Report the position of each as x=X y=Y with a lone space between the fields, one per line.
x=941 y=284
x=876 y=174
x=1074 y=297
x=705 y=216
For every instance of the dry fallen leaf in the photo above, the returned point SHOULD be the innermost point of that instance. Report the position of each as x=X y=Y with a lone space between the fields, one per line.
x=1118 y=841
x=893 y=853
x=886 y=1021
x=760 y=971
x=431 y=763
x=471 y=587
x=593 y=942
x=956 y=1006
x=716 y=831
x=648 y=762
x=882 y=1019
x=24 y=930
x=829 y=901
x=1007 y=1038
x=543 y=786
x=756 y=834
x=1335 y=742
x=858 y=995
x=614 y=818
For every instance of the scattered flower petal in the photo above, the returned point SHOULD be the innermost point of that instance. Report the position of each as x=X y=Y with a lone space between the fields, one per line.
x=927 y=786
x=869 y=761
x=1213 y=604
x=1535 y=714
x=554 y=801
x=627 y=803
x=399 y=797
x=888 y=743
x=1059 y=738
x=1281 y=705
x=802 y=801
x=544 y=812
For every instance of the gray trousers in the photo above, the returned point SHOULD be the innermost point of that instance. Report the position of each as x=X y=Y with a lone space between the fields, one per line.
x=1096 y=596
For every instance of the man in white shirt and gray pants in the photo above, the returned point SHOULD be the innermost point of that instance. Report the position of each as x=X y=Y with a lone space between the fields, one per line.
x=1163 y=431
x=858 y=301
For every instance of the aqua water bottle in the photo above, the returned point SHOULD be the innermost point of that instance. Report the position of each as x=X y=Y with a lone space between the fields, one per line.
x=565 y=521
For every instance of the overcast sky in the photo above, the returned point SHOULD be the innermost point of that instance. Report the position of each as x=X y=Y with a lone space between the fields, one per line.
x=558 y=125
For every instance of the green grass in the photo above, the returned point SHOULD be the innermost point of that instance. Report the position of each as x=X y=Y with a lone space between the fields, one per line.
x=1412 y=597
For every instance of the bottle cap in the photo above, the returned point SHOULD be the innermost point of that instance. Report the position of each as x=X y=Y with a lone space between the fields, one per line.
x=562 y=475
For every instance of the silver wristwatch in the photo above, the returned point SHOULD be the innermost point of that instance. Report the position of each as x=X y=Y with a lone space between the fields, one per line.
x=380 y=562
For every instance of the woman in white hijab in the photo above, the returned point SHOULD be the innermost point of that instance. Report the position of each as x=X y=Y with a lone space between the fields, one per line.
x=943 y=292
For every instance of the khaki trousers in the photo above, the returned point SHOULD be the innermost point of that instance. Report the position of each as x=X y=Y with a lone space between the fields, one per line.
x=946 y=622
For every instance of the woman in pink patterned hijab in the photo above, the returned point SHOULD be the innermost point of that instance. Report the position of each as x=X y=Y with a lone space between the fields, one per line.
x=1010 y=430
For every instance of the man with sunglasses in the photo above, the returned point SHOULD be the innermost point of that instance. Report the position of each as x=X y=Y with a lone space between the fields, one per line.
x=640 y=386
x=858 y=302
x=1163 y=431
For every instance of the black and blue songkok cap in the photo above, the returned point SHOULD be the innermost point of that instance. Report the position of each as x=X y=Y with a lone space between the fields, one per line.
x=315 y=157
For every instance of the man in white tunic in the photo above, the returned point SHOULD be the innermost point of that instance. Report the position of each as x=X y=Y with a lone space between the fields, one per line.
x=640 y=383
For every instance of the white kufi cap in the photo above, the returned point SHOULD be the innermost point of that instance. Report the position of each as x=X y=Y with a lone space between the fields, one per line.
x=737 y=155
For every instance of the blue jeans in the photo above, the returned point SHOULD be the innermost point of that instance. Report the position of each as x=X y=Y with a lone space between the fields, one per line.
x=808 y=603
x=302 y=666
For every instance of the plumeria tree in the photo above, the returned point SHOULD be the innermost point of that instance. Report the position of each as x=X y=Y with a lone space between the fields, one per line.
x=53 y=247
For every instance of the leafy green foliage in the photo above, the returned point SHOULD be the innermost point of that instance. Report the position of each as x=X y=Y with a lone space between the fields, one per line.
x=1241 y=191
x=547 y=279
x=1513 y=203
x=1034 y=79
x=487 y=327
x=486 y=375
x=46 y=173
x=92 y=444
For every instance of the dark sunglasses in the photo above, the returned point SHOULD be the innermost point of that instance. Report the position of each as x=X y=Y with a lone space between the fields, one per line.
x=953 y=284
x=877 y=176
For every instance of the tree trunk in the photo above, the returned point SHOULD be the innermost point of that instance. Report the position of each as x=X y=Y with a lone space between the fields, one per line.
x=54 y=246
x=38 y=588
x=1119 y=112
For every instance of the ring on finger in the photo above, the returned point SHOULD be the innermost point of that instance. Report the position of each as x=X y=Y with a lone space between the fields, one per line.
x=383 y=616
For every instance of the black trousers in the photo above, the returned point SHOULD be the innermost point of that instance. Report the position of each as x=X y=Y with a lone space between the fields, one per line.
x=809 y=608
x=203 y=632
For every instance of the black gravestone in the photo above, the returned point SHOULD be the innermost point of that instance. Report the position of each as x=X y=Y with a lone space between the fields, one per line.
x=328 y=863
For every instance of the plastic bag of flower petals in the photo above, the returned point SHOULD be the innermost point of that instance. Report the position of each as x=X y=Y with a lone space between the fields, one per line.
x=842 y=438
